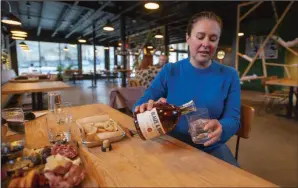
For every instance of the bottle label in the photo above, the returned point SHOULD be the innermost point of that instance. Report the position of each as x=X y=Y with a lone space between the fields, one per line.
x=150 y=124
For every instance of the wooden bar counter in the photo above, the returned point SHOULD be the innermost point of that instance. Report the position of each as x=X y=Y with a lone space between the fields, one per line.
x=162 y=162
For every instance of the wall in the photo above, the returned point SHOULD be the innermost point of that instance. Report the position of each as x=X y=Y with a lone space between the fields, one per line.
x=263 y=27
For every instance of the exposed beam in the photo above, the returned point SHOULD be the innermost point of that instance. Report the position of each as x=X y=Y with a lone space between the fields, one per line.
x=87 y=19
x=79 y=23
x=65 y=12
x=43 y=3
x=116 y=17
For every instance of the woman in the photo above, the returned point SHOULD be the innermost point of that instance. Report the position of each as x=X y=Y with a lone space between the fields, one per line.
x=210 y=84
x=146 y=71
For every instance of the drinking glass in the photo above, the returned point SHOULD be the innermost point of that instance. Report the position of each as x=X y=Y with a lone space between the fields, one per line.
x=62 y=112
x=59 y=123
x=196 y=123
x=15 y=119
x=57 y=132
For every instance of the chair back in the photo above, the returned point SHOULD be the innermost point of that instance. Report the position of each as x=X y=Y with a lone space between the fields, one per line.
x=133 y=83
x=247 y=116
x=43 y=77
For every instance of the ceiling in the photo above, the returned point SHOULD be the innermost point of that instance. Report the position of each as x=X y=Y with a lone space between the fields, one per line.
x=66 y=21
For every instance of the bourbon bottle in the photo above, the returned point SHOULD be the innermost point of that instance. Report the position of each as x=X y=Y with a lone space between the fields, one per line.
x=161 y=119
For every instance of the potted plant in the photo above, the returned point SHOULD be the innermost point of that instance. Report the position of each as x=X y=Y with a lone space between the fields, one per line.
x=59 y=75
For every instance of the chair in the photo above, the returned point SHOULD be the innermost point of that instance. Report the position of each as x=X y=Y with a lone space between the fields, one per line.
x=133 y=83
x=246 y=118
x=275 y=99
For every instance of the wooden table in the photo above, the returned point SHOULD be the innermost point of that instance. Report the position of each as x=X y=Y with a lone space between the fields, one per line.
x=162 y=162
x=36 y=88
x=288 y=83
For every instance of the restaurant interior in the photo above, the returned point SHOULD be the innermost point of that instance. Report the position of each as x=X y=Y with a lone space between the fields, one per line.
x=88 y=59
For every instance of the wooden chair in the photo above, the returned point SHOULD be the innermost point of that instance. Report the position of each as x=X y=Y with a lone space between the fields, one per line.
x=246 y=118
x=133 y=83
x=275 y=100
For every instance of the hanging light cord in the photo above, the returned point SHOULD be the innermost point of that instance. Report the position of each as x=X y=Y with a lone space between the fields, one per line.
x=8 y=5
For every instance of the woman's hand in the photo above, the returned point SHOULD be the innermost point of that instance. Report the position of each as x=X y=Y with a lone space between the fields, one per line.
x=216 y=130
x=149 y=105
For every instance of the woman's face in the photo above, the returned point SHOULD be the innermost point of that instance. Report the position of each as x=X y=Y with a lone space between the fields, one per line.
x=203 y=40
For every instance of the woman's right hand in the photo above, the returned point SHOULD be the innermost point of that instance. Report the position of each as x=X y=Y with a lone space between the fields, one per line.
x=149 y=105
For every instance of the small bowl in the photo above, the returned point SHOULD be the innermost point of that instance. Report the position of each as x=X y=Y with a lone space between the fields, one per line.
x=12 y=150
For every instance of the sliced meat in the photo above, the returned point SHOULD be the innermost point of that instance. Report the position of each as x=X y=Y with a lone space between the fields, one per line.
x=65 y=150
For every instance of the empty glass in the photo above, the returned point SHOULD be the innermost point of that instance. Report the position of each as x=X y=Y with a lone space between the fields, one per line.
x=196 y=122
x=57 y=132
x=15 y=119
x=62 y=112
x=59 y=123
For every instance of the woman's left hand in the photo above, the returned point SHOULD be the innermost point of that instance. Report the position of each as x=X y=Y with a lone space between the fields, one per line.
x=216 y=130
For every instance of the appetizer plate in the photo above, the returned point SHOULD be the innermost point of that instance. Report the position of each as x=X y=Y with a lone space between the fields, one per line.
x=98 y=121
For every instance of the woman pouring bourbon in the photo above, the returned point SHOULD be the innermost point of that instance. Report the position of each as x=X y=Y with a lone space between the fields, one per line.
x=208 y=83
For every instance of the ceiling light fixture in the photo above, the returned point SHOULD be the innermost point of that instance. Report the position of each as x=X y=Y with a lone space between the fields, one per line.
x=119 y=44
x=19 y=35
x=158 y=34
x=221 y=54
x=18 y=31
x=151 y=5
x=106 y=48
x=82 y=40
x=10 y=18
x=149 y=46
x=108 y=26
x=240 y=34
x=171 y=49
x=72 y=45
x=17 y=38
x=65 y=48
x=22 y=44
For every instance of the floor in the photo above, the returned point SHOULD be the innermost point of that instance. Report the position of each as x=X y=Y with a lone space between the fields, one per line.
x=270 y=153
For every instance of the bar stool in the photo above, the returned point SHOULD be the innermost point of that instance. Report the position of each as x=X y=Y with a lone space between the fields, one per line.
x=247 y=116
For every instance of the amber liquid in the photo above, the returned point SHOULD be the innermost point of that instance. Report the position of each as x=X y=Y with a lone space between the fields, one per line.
x=168 y=115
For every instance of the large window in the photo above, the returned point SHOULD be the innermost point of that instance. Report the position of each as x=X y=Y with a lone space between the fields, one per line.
x=182 y=55
x=28 y=60
x=173 y=57
x=87 y=58
x=49 y=57
x=69 y=56
x=100 y=58
x=45 y=57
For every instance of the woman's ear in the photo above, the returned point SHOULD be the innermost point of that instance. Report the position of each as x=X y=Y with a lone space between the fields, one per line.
x=187 y=38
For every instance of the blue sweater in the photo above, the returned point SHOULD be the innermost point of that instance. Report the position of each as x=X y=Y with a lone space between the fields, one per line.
x=216 y=88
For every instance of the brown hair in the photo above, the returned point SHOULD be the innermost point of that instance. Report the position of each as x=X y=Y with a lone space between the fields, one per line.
x=146 y=62
x=203 y=15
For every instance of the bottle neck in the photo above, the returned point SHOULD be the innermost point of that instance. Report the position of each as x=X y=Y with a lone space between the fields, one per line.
x=187 y=107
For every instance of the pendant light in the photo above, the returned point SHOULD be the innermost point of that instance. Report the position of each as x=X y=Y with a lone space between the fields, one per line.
x=108 y=26
x=18 y=38
x=19 y=35
x=22 y=44
x=18 y=31
x=81 y=40
x=9 y=18
x=65 y=48
x=158 y=34
x=171 y=49
x=151 y=5
x=149 y=45
x=106 y=48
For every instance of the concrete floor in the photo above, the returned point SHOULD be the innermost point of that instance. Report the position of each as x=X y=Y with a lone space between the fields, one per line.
x=270 y=153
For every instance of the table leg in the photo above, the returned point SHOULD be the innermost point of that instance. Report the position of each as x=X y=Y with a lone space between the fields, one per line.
x=39 y=101
x=290 y=105
x=33 y=97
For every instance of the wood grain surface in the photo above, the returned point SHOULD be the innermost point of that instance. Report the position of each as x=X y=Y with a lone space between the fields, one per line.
x=13 y=88
x=161 y=162
x=283 y=82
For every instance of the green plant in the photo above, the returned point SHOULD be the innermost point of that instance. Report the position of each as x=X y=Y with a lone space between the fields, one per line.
x=60 y=70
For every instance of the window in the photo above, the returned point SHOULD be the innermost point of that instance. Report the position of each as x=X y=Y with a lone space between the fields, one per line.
x=173 y=57
x=182 y=56
x=112 y=62
x=100 y=58
x=26 y=58
x=87 y=58
x=69 y=56
x=49 y=57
